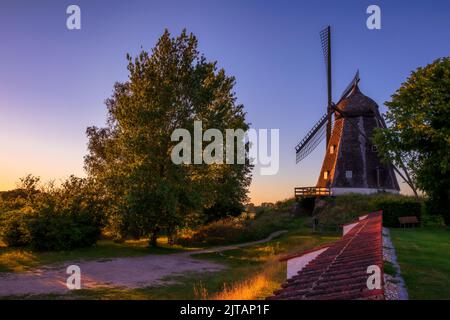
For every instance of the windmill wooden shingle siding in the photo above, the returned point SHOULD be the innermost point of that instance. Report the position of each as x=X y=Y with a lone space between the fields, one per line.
x=351 y=162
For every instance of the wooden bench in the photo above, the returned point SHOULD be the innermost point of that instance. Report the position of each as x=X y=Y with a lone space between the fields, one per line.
x=404 y=221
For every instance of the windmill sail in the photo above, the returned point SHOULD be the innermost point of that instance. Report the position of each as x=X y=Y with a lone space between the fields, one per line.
x=312 y=139
x=350 y=86
x=325 y=39
x=323 y=127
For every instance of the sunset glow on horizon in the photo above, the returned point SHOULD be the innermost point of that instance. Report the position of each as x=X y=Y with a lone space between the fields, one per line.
x=54 y=81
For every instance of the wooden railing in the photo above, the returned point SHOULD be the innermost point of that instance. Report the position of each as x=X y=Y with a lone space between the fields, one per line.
x=311 y=192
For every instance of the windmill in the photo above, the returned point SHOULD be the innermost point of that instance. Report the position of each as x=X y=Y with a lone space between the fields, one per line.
x=351 y=162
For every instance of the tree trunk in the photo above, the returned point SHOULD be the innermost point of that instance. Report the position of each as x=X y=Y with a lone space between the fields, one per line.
x=170 y=239
x=409 y=180
x=154 y=239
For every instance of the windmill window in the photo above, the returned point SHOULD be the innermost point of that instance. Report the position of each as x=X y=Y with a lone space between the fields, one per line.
x=348 y=174
x=332 y=149
x=325 y=174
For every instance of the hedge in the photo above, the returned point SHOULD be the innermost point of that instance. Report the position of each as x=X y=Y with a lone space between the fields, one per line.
x=395 y=208
x=345 y=208
x=49 y=231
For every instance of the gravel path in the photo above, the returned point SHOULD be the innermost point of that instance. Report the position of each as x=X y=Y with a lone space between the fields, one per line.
x=130 y=272
x=394 y=287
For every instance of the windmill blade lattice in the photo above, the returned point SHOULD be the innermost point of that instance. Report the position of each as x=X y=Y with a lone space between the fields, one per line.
x=350 y=86
x=324 y=41
x=312 y=139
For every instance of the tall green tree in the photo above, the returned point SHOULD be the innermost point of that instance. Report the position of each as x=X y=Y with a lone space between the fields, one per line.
x=418 y=133
x=130 y=159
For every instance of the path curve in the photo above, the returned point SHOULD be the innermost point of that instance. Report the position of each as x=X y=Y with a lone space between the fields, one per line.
x=129 y=272
x=272 y=236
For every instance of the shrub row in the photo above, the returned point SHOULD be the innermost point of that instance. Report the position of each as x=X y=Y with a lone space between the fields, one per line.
x=238 y=229
x=62 y=218
x=401 y=207
x=345 y=208
x=49 y=231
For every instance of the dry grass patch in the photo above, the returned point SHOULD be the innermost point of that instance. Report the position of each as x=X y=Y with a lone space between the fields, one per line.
x=256 y=287
x=17 y=260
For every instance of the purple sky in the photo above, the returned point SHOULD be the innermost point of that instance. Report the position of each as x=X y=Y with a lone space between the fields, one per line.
x=53 y=81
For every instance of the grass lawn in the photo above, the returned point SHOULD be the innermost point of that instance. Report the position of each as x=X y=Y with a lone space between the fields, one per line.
x=19 y=260
x=253 y=273
x=424 y=257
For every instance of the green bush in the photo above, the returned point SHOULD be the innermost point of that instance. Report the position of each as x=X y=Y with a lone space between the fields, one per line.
x=223 y=210
x=285 y=205
x=214 y=233
x=432 y=220
x=14 y=228
x=402 y=207
x=54 y=232
x=439 y=207
x=239 y=229
x=49 y=230
x=63 y=218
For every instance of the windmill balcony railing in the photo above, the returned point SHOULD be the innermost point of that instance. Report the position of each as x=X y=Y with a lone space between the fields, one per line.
x=311 y=192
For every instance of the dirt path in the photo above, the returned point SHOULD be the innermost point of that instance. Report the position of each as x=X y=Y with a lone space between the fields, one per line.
x=272 y=236
x=130 y=272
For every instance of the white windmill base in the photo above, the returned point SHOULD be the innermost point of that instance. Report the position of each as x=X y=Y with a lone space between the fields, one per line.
x=340 y=191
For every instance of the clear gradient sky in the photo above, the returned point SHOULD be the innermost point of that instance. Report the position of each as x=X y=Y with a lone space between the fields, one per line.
x=53 y=81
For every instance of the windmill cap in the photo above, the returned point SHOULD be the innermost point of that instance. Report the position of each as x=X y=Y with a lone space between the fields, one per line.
x=356 y=104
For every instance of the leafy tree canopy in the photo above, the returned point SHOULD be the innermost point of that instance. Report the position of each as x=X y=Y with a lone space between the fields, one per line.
x=130 y=158
x=419 y=131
